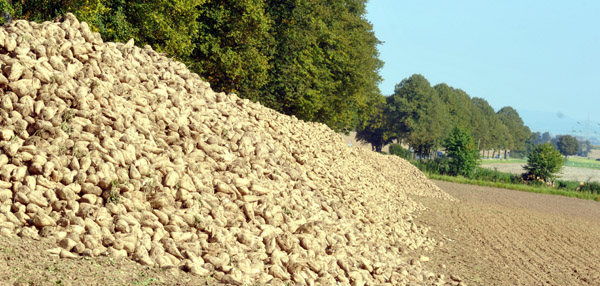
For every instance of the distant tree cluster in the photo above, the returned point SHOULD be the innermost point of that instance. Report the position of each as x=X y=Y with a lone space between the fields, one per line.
x=547 y=154
x=422 y=116
x=566 y=144
x=316 y=60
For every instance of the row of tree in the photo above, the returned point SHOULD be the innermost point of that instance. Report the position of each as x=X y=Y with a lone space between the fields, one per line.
x=314 y=59
x=567 y=145
x=422 y=115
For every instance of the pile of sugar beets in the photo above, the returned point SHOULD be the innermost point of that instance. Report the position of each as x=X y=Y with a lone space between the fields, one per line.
x=111 y=149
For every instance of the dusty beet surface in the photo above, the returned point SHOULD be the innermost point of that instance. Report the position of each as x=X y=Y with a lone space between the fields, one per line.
x=110 y=150
x=502 y=237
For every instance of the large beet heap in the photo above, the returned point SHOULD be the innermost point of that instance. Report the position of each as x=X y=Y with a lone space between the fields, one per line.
x=116 y=150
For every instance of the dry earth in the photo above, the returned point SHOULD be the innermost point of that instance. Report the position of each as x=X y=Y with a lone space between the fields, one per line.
x=594 y=154
x=502 y=237
x=26 y=262
x=568 y=173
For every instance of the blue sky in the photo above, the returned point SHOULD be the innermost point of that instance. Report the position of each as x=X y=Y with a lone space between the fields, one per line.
x=540 y=57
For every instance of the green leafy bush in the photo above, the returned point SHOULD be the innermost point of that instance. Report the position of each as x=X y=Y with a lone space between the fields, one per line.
x=462 y=152
x=543 y=162
x=484 y=174
x=593 y=187
x=438 y=165
x=398 y=150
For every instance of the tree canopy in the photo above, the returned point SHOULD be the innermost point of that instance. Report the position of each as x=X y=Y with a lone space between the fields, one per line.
x=543 y=162
x=567 y=145
x=421 y=116
x=462 y=152
x=317 y=60
x=417 y=115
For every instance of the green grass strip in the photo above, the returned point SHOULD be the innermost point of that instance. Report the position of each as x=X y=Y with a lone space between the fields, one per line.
x=517 y=187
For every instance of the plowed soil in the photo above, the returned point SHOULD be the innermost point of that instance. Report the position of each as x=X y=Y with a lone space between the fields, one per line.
x=502 y=237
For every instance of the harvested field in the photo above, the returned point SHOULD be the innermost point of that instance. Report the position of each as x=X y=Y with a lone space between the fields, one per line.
x=504 y=237
x=568 y=173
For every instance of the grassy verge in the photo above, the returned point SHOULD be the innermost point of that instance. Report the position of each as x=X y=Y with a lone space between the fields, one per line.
x=518 y=187
x=576 y=162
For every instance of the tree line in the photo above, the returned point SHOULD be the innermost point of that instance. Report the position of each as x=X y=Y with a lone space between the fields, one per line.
x=567 y=144
x=422 y=116
x=317 y=60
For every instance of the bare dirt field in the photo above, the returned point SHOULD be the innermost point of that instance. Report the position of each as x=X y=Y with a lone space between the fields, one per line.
x=502 y=237
x=27 y=262
x=594 y=154
x=568 y=173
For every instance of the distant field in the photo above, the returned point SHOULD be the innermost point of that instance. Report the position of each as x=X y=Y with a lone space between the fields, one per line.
x=574 y=161
x=580 y=162
x=568 y=173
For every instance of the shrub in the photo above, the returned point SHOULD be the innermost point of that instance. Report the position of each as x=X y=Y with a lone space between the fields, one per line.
x=543 y=162
x=592 y=187
x=484 y=174
x=438 y=165
x=398 y=150
x=462 y=152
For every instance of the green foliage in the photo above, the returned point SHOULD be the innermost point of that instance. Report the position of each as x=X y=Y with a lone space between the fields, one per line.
x=417 y=114
x=543 y=162
x=567 y=145
x=487 y=128
x=592 y=187
x=325 y=61
x=462 y=152
x=6 y=10
x=519 y=133
x=584 y=148
x=421 y=116
x=374 y=130
x=398 y=150
x=495 y=176
x=535 y=139
x=458 y=105
x=233 y=50
x=438 y=165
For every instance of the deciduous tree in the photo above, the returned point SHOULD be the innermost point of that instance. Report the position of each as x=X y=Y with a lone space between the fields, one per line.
x=516 y=128
x=567 y=145
x=375 y=130
x=417 y=114
x=543 y=162
x=461 y=151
